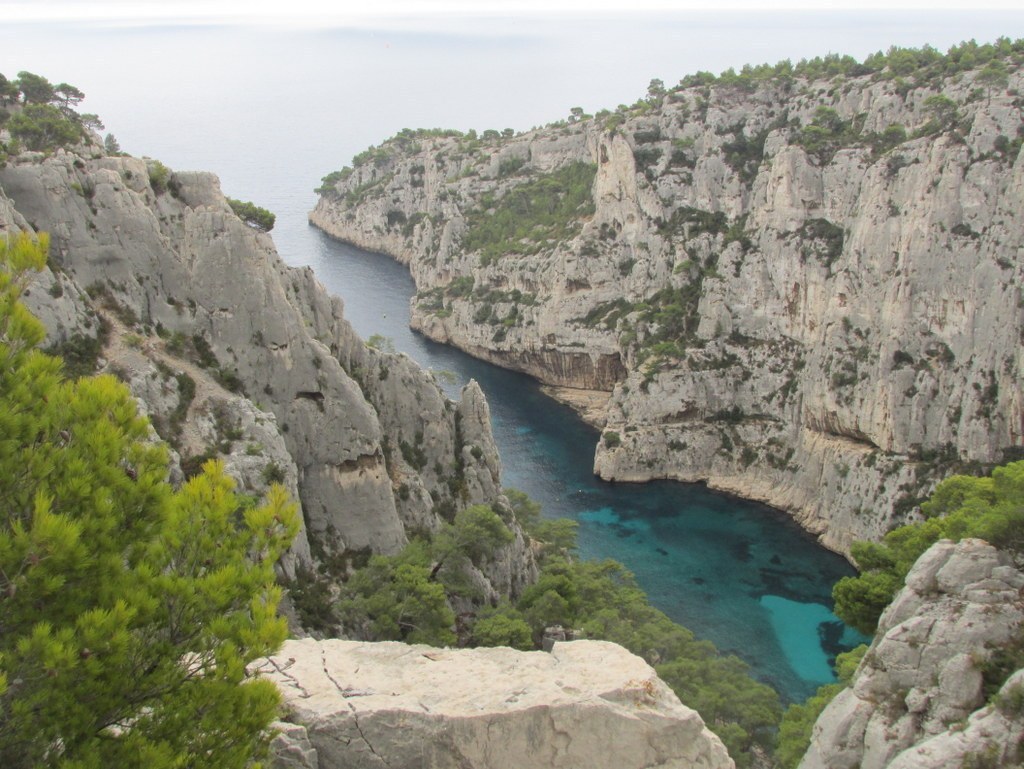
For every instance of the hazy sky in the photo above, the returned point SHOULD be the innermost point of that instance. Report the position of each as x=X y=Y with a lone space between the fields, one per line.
x=300 y=12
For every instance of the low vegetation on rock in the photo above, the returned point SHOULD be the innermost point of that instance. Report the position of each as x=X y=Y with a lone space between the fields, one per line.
x=253 y=215
x=989 y=508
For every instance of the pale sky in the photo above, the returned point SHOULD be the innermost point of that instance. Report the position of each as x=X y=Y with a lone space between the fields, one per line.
x=346 y=13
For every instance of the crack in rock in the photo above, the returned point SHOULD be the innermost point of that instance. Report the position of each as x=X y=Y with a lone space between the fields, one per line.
x=344 y=692
x=282 y=670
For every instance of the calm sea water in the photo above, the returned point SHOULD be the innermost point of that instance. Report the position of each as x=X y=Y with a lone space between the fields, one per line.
x=272 y=110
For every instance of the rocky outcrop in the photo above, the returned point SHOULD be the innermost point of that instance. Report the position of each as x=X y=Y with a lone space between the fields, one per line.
x=991 y=737
x=587 y=703
x=805 y=292
x=235 y=355
x=917 y=699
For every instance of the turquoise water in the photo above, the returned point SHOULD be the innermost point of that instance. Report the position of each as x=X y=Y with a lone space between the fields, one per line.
x=740 y=574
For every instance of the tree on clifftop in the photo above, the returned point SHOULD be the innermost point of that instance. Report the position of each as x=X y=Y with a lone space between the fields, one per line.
x=128 y=610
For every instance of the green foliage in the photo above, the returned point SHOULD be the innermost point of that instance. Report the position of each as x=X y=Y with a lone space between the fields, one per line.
x=273 y=473
x=130 y=610
x=381 y=342
x=558 y=537
x=159 y=176
x=797 y=722
x=891 y=137
x=994 y=75
x=533 y=214
x=695 y=221
x=826 y=134
x=924 y=64
x=502 y=626
x=990 y=508
x=311 y=595
x=110 y=145
x=80 y=352
x=823 y=240
x=476 y=533
x=328 y=185
x=253 y=215
x=943 y=115
x=396 y=598
x=8 y=91
x=44 y=128
x=403 y=597
x=525 y=509
x=741 y=711
x=744 y=154
x=35 y=89
x=794 y=735
x=47 y=120
x=673 y=313
x=510 y=166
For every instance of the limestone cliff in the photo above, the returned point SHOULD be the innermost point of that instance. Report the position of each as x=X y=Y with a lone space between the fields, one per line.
x=918 y=697
x=802 y=289
x=585 y=704
x=235 y=355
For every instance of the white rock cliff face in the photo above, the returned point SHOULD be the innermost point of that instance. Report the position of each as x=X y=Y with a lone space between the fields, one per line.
x=236 y=355
x=829 y=329
x=586 y=704
x=917 y=698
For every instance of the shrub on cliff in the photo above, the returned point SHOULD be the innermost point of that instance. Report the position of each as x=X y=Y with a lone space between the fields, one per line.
x=545 y=208
x=43 y=127
x=990 y=508
x=603 y=599
x=252 y=214
x=404 y=597
x=128 y=610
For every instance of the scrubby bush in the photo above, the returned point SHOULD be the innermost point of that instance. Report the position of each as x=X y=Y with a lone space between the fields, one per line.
x=991 y=508
x=253 y=215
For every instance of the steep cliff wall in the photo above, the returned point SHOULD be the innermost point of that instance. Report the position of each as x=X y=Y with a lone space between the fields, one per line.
x=236 y=355
x=805 y=291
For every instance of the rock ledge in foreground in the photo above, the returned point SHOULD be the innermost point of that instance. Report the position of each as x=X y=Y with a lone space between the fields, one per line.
x=587 y=703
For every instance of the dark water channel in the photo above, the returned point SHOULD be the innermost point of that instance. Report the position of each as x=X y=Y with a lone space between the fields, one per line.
x=737 y=573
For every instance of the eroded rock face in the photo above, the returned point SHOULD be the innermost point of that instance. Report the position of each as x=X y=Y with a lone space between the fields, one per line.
x=921 y=680
x=991 y=737
x=236 y=355
x=586 y=704
x=827 y=331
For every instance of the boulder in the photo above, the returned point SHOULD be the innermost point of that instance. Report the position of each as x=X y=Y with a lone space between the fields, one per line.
x=586 y=704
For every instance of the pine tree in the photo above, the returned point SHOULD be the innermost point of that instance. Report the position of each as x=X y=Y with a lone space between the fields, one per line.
x=128 y=609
